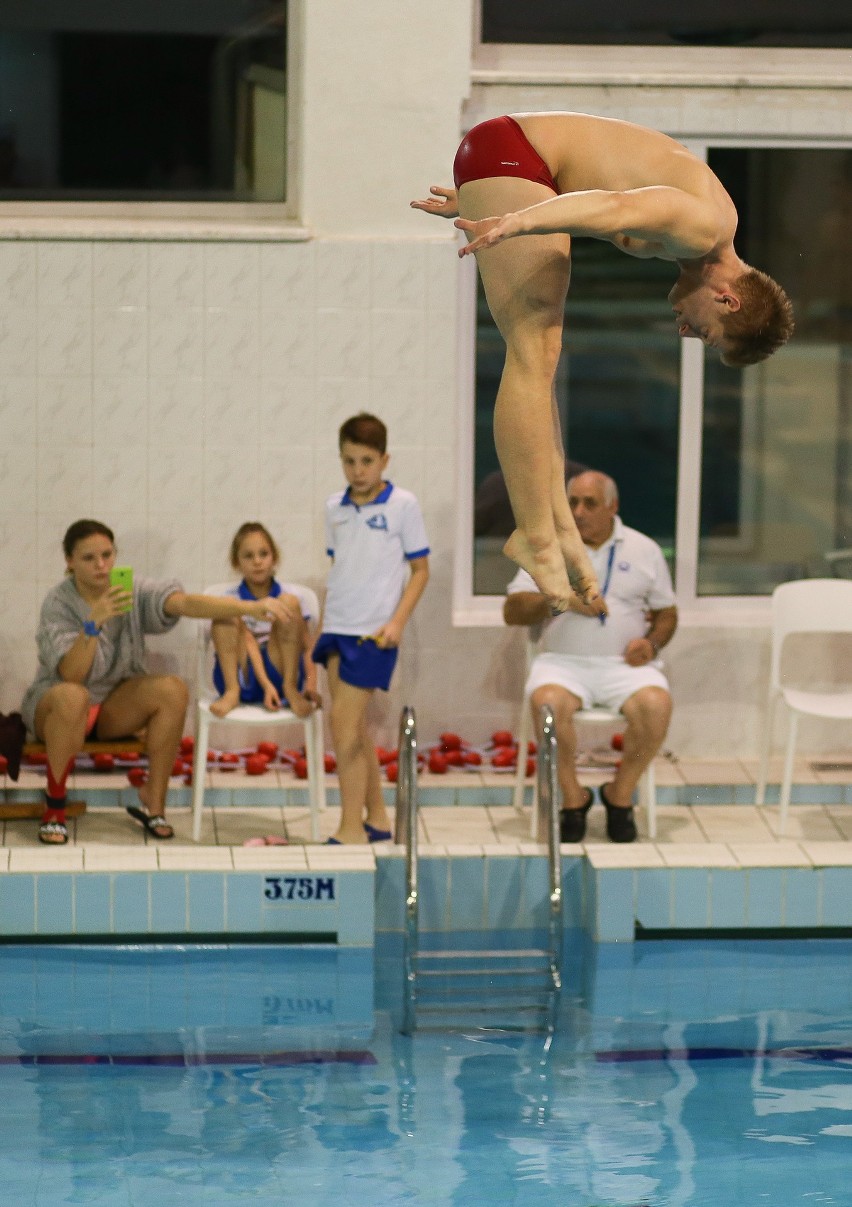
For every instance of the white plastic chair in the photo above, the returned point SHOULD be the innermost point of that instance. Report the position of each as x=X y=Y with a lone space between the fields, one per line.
x=592 y=716
x=248 y=714
x=840 y=562
x=816 y=605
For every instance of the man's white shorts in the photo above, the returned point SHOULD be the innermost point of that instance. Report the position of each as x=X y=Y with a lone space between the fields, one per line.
x=602 y=681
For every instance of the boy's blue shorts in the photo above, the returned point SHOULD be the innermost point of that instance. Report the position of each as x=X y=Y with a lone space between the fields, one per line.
x=362 y=662
x=251 y=691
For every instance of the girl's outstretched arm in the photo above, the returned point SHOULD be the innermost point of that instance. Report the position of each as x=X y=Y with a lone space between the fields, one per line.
x=225 y=607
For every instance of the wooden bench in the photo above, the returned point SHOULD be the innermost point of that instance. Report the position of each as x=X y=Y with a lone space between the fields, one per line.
x=25 y=809
x=115 y=746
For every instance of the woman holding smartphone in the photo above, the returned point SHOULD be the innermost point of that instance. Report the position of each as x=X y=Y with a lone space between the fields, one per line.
x=92 y=681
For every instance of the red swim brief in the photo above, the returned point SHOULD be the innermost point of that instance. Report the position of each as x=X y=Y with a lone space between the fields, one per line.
x=499 y=147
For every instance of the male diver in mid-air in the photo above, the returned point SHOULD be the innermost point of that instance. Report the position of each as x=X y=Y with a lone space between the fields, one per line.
x=548 y=176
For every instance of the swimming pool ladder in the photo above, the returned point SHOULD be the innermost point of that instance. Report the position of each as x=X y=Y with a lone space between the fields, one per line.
x=517 y=984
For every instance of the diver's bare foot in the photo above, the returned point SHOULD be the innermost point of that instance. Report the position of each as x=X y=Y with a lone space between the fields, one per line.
x=546 y=566
x=226 y=702
x=297 y=702
x=580 y=573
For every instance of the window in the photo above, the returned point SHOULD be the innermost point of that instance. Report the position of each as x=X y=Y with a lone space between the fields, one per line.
x=776 y=478
x=617 y=395
x=169 y=100
x=821 y=23
x=743 y=476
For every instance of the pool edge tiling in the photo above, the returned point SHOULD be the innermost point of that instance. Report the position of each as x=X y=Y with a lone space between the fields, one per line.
x=346 y=896
x=327 y=900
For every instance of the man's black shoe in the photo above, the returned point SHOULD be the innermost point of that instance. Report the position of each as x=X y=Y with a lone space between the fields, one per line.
x=620 y=826
x=572 y=822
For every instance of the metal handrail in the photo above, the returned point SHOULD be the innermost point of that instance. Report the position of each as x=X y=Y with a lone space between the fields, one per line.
x=405 y=834
x=548 y=832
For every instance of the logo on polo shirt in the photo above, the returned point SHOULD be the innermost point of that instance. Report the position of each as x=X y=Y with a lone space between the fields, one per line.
x=379 y=522
x=624 y=566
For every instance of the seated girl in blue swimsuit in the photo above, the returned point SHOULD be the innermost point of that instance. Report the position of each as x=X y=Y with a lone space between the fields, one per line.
x=265 y=661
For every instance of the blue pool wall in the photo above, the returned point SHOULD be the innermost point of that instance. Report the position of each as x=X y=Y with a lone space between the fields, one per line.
x=457 y=893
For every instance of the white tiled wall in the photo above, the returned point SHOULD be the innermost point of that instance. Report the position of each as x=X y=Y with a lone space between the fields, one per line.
x=175 y=390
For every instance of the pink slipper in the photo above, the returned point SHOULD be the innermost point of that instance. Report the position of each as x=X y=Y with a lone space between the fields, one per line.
x=276 y=840
x=255 y=842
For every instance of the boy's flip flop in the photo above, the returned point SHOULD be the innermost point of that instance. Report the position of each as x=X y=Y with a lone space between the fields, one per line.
x=155 y=824
x=376 y=835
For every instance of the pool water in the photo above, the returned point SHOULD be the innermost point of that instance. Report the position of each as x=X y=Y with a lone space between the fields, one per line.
x=692 y=1073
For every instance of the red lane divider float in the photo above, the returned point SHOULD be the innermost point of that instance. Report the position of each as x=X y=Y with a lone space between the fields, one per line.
x=450 y=753
x=453 y=752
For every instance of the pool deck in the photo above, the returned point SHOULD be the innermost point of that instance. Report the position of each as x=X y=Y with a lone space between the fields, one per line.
x=701 y=804
x=717 y=861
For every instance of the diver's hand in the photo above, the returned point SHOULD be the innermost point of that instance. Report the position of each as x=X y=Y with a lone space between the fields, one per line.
x=487 y=232
x=444 y=202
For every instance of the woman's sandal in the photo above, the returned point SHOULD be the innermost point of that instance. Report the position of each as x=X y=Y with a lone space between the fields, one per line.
x=155 y=824
x=51 y=832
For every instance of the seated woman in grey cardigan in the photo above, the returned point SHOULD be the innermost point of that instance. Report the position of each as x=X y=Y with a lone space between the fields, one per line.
x=91 y=681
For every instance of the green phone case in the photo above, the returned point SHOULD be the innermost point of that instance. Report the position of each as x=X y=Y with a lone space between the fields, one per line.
x=122 y=576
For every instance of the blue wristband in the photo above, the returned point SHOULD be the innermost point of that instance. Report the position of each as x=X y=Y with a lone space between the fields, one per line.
x=90 y=628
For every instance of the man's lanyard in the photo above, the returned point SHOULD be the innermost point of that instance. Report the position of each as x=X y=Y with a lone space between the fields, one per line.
x=609 y=564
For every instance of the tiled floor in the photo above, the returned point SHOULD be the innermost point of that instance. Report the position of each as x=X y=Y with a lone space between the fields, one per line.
x=688 y=835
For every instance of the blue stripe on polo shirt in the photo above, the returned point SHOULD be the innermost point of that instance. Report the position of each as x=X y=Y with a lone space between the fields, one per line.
x=418 y=553
x=382 y=497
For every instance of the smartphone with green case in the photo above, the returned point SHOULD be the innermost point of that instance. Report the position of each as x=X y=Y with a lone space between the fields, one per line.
x=122 y=576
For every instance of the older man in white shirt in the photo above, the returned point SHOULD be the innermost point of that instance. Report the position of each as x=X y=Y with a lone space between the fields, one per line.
x=612 y=662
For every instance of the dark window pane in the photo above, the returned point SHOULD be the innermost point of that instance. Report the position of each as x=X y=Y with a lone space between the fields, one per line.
x=776 y=483
x=669 y=22
x=143 y=102
x=618 y=395
x=156 y=125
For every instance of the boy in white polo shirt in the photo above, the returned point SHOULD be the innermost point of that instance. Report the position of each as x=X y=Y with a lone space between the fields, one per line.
x=377 y=541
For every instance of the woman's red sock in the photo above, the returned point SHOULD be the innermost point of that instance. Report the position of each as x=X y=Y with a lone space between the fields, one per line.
x=54 y=795
x=55 y=789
